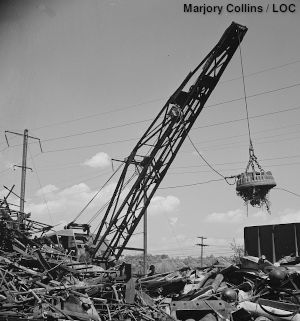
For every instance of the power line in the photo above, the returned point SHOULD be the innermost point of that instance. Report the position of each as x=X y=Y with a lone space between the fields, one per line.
x=231 y=169
x=99 y=114
x=258 y=140
x=286 y=190
x=97 y=130
x=93 y=145
x=251 y=117
x=192 y=184
x=40 y=184
x=262 y=71
x=240 y=162
x=241 y=135
x=66 y=165
x=253 y=95
x=146 y=120
x=199 y=127
x=153 y=100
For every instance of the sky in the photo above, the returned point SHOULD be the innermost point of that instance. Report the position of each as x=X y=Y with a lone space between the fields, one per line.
x=88 y=77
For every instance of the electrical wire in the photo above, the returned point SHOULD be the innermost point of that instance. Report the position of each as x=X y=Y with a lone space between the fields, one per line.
x=262 y=71
x=41 y=189
x=96 y=130
x=205 y=126
x=229 y=169
x=199 y=127
x=253 y=95
x=68 y=165
x=153 y=100
x=231 y=163
x=286 y=190
x=99 y=114
x=192 y=184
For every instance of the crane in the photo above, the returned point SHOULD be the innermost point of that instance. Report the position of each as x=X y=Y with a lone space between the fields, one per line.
x=154 y=153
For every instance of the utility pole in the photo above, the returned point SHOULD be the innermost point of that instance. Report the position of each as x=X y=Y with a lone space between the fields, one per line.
x=23 y=167
x=202 y=246
x=145 y=235
x=145 y=243
x=23 y=177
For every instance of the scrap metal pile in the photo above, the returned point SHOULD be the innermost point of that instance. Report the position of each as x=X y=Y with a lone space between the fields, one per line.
x=40 y=280
x=253 y=289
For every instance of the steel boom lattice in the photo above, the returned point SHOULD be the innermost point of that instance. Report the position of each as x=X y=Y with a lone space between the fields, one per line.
x=156 y=150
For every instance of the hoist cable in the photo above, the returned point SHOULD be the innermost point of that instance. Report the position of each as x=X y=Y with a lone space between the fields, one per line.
x=209 y=165
x=245 y=95
x=105 y=205
x=86 y=206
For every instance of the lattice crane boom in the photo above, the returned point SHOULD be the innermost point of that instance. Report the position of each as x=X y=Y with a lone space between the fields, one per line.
x=154 y=153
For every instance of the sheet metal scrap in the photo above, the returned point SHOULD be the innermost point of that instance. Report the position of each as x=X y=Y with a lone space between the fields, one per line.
x=256 y=288
x=39 y=281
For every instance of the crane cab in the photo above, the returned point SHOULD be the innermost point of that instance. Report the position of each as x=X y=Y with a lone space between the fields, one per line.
x=251 y=180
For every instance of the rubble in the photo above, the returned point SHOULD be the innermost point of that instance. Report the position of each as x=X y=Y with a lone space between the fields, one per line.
x=40 y=280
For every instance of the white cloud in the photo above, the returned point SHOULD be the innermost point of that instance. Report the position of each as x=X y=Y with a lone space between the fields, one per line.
x=288 y=216
x=100 y=160
x=65 y=204
x=232 y=216
x=168 y=204
x=48 y=189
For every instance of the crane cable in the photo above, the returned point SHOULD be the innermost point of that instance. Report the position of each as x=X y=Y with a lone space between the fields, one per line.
x=251 y=150
x=105 y=205
x=244 y=89
x=252 y=157
x=211 y=167
x=107 y=181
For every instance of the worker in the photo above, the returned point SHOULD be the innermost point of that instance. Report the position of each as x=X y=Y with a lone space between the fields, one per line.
x=152 y=270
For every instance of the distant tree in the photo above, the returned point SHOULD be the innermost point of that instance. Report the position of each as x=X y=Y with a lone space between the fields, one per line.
x=238 y=252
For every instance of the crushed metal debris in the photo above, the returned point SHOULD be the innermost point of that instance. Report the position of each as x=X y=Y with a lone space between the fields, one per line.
x=39 y=281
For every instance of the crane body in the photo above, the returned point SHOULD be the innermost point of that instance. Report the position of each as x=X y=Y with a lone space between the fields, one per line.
x=149 y=161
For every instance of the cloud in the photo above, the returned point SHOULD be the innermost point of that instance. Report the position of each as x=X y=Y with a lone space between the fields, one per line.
x=160 y=204
x=65 y=204
x=100 y=160
x=232 y=216
x=288 y=216
x=48 y=189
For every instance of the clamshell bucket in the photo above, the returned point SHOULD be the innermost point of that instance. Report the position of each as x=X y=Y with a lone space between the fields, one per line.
x=249 y=180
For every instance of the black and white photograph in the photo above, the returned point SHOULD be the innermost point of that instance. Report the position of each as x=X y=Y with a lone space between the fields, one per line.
x=149 y=160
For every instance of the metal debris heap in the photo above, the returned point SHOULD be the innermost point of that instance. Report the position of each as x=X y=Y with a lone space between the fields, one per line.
x=40 y=281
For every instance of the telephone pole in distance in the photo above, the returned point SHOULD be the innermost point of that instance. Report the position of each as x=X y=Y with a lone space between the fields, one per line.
x=202 y=246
